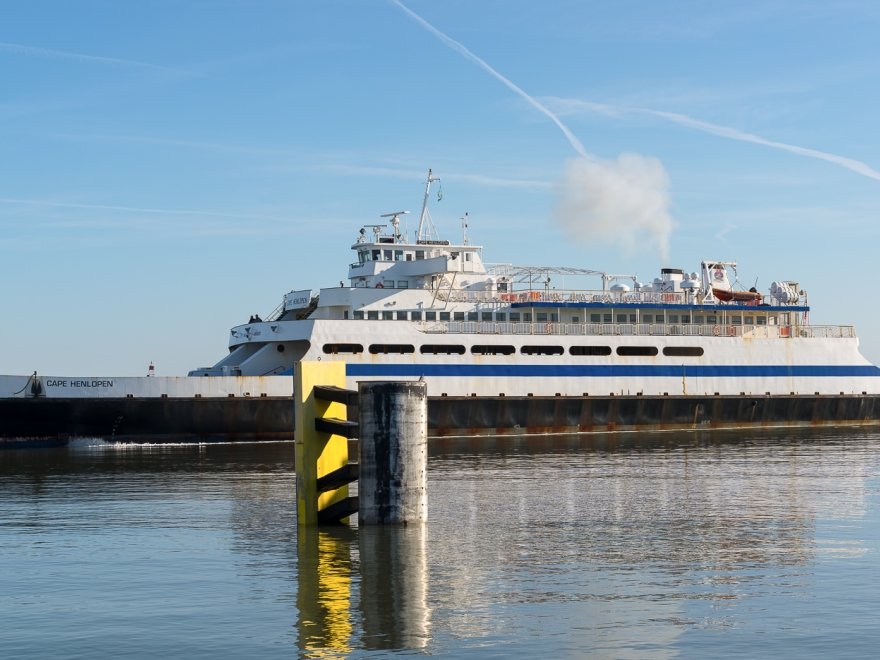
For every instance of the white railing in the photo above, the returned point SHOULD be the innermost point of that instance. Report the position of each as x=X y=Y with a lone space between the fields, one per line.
x=564 y=296
x=586 y=296
x=640 y=330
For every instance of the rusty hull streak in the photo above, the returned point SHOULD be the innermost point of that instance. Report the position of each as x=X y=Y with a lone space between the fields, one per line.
x=513 y=416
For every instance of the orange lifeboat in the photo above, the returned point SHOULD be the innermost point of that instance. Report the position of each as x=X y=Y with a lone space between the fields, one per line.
x=748 y=297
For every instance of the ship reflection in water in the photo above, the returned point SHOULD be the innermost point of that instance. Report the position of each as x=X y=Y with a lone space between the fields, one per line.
x=390 y=566
x=629 y=545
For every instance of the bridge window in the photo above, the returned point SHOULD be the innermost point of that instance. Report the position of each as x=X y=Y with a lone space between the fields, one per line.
x=444 y=316
x=590 y=350
x=637 y=351
x=595 y=318
x=501 y=317
x=514 y=317
x=486 y=317
x=473 y=316
x=384 y=349
x=401 y=316
x=336 y=349
x=458 y=316
x=359 y=315
x=762 y=320
x=442 y=349
x=492 y=349
x=542 y=350
x=373 y=315
x=430 y=316
x=683 y=351
x=416 y=316
x=387 y=316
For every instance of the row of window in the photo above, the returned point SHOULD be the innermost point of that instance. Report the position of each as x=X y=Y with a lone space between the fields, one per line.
x=507 y=349
x=401 y=255
x=545 y=317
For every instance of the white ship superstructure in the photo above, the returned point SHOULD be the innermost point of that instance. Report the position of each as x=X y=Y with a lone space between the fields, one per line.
x=422 y=307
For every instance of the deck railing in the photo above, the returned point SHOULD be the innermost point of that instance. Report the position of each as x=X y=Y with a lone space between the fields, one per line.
x=639 y=330
x=561 y=296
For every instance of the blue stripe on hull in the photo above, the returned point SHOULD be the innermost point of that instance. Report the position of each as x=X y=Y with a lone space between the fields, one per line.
x=609 y=371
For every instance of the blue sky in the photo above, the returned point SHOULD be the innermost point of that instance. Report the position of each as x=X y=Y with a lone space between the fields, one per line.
x=169 y=169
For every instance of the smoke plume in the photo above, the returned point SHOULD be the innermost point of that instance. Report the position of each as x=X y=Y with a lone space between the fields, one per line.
x=623 y=203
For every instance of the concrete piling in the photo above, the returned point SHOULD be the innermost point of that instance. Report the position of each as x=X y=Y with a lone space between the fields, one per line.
x=393 y=453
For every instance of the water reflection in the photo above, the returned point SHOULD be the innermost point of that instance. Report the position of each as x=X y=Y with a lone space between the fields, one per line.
x=389 y=608
x=393 y=571
x=323 y=597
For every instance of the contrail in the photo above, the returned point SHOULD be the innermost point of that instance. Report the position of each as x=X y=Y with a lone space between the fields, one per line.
x=849 y=163
x=730 y=133
x=63 y=54
x=452 y=43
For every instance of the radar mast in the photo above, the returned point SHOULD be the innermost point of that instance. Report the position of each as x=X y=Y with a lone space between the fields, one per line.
x=426 y=228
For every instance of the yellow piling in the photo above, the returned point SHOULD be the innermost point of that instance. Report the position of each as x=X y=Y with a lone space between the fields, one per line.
x=317 y=454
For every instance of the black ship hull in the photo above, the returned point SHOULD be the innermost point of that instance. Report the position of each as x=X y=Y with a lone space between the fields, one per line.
x=242 y=419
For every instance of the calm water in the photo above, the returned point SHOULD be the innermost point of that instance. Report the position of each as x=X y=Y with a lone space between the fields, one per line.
x=712 y=545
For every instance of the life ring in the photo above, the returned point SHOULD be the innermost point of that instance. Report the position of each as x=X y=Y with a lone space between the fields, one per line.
x=380 y=286
x=716 y=330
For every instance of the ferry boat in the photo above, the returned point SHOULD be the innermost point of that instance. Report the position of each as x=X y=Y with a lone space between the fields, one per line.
x=503 y=348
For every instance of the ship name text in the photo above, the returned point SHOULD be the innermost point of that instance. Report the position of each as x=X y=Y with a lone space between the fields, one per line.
x=59 y=382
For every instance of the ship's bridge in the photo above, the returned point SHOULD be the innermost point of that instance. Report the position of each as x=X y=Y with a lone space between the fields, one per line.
x=391 y=262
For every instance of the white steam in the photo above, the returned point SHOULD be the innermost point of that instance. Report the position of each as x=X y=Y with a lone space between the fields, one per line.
x=623 y=203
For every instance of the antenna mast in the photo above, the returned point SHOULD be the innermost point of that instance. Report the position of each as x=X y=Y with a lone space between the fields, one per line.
x=424 y=218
